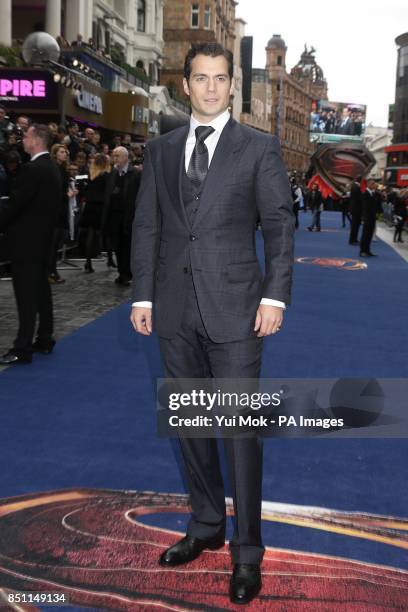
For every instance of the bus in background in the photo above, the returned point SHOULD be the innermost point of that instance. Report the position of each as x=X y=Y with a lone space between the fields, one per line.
x=396 y=170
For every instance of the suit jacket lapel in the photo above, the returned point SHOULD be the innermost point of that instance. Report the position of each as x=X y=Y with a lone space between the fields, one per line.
x=173 y=154
x=232 y=140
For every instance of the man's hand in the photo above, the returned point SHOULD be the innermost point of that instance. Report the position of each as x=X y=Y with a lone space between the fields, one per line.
x=268 y=320
x=142 y=320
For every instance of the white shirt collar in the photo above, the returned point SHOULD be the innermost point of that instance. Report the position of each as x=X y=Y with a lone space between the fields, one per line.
x=218 y=123
x=122 y=170
x=38 y=155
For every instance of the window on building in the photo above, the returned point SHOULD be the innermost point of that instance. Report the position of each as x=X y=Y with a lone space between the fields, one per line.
x=107 y=40
x=278 y=87
x=207 y=17
x=195 y=8
x=141 y=15
x=279 y=60
x=151 y=72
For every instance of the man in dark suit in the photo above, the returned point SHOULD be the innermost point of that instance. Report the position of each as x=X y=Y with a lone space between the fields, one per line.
x=345 y=125
x=193 y=257
x=369 y=215
x=28 y=220
x=119 y=209
x=355 y=210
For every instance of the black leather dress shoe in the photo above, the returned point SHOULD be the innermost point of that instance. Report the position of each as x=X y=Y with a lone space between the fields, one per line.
x=45 y=348
x=12 y=358
x=188 y=549
x=245 y=583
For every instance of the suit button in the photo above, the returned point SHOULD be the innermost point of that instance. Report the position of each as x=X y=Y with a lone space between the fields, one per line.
x=194 y=210
x=185 y=270
x=192 y=237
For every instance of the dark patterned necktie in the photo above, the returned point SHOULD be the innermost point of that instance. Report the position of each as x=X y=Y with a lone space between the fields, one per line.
x=198 y=166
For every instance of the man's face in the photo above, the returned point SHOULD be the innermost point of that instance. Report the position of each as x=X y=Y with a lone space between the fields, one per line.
x=89 y=133
x=22 y=123
x=2 y=114
x=119 y=158
x=209 y=87
x=73 y=130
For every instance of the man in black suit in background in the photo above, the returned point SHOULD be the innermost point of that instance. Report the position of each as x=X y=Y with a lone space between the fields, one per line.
x=369 y=214
x=355 y=210
x=193 y=257
x=119 y=209
x=28 y=220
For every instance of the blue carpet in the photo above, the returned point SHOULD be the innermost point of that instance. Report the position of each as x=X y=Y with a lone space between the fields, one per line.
x=85 y=416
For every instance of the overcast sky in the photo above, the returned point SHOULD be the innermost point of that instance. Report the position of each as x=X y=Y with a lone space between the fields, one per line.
x=354 y=43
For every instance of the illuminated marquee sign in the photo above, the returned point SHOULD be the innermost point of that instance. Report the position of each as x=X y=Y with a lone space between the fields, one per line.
x=18 y=88
x=89 y=101
x=28 y=89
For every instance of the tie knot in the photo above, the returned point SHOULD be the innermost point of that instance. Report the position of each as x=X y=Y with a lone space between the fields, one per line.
x=203 y=131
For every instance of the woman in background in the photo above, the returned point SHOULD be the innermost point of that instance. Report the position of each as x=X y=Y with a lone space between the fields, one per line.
x=91 y=217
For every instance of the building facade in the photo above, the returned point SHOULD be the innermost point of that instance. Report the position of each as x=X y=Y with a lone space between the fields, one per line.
x=292 y=96
x=187 y=22
x=376 y=139
x=261 y=101
x=401 y=92
x=128 y=29
x=238 y=77
x=122 y=40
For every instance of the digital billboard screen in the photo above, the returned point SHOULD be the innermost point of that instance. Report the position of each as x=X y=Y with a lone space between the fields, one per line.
x=340 y=118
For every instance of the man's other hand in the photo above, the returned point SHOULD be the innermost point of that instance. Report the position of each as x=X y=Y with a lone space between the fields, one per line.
x=142 y=320
x=268 y=320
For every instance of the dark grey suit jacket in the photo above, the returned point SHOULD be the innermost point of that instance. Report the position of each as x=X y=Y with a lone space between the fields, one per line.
x=246 y=178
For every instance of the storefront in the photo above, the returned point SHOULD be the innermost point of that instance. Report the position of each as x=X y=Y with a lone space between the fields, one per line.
x=33 y=92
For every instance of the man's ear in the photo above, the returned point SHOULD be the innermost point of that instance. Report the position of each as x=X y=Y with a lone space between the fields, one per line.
x=186 y=87
x=232 y=86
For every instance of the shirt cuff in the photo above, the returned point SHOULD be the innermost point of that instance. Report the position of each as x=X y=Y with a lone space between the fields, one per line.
x=143 y=304
x=268 y=302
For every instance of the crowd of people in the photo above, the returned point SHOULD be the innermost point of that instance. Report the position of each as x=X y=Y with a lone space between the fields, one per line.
x=366 y=201
x=361 y=205
x=349 y=121
x=99 y=185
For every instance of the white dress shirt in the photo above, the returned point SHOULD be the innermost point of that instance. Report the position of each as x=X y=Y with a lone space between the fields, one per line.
x=210 y=142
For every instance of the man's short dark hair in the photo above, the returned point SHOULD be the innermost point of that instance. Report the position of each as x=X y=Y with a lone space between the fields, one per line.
x=211 y=50
x=42 y=132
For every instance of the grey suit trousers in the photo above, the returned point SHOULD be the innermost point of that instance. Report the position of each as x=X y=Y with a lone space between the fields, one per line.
x=191 y=354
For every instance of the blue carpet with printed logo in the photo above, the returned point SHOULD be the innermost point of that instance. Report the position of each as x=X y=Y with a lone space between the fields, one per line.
x=85 y=417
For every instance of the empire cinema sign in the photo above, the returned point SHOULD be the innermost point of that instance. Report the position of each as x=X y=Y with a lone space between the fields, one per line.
x=28 y=89
x=17 y=88
x=89 y=101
